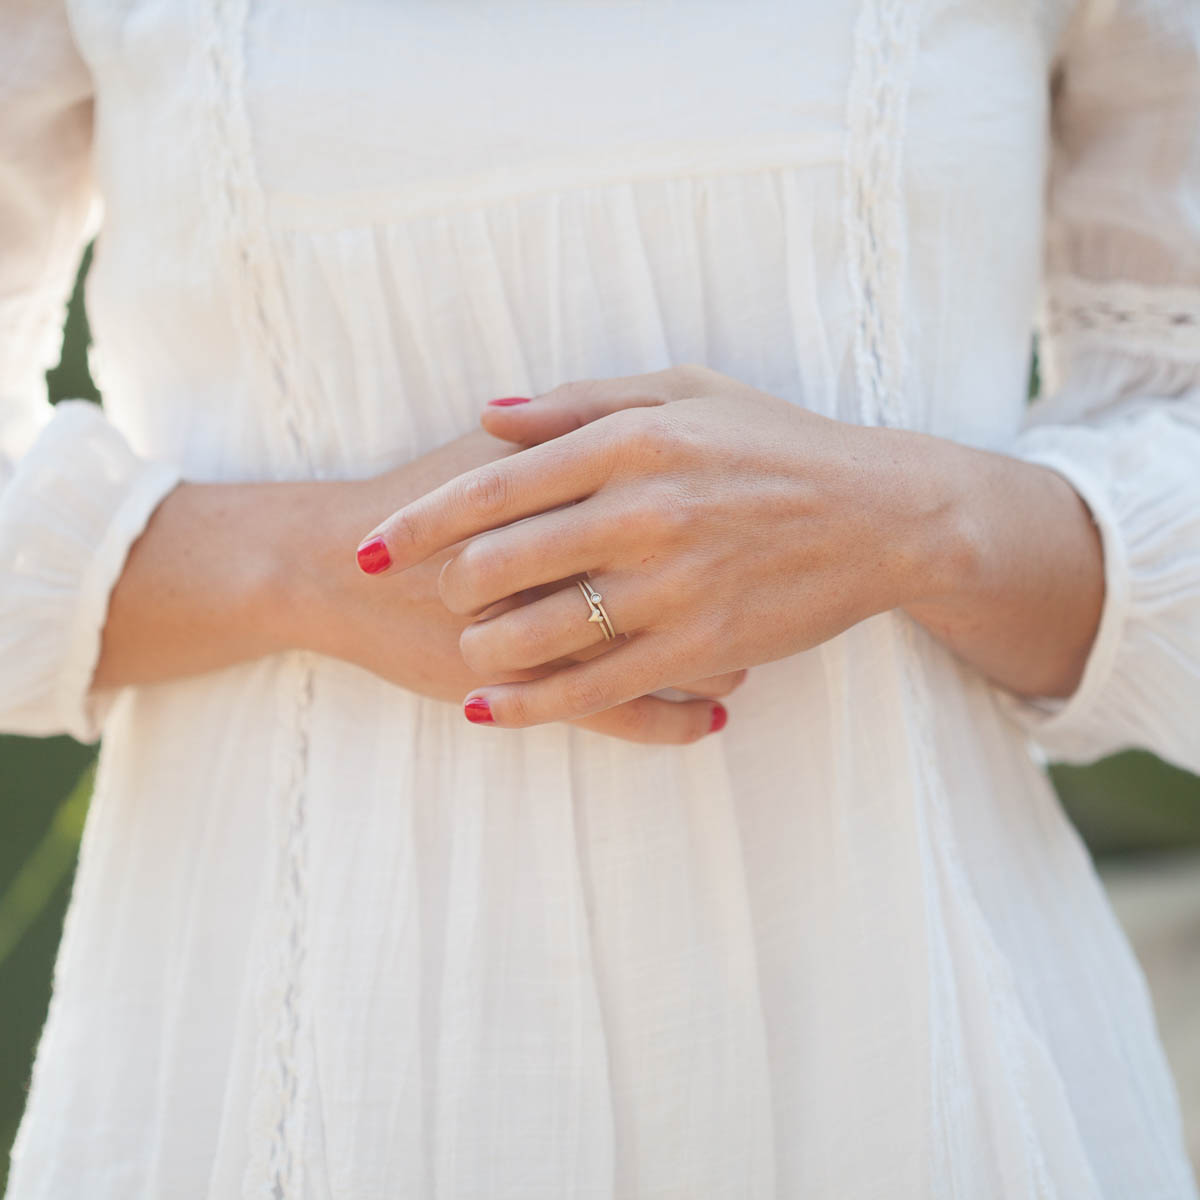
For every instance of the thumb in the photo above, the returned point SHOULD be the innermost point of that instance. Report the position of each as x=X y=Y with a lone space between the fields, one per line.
x=569 y=406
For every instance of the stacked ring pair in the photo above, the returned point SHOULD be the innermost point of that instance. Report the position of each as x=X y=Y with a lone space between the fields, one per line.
x=596 y=608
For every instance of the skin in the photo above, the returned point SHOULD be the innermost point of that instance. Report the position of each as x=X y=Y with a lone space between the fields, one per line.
x=717 y=541
x=224 y=573
x=725 y=528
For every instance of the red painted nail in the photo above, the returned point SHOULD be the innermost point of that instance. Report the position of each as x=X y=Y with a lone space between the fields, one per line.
x=719 y=717
x=373 y=556
x=479 y=711
x=506 y=401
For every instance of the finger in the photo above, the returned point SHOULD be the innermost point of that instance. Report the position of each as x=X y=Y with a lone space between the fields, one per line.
x=556 y=626
x=491 y=495
x=645 y=663
x=543 y=549
x=715 y=685
x=570 y=406
x=662 y=722
x=580 y=401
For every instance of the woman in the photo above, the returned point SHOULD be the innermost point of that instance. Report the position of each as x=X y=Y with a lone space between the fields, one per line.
x=767 y=287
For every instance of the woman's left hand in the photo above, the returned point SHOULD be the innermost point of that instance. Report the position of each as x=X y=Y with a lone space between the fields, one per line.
x=724 y=527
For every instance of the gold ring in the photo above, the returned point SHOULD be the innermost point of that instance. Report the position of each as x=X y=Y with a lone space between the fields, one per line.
x=597 y=612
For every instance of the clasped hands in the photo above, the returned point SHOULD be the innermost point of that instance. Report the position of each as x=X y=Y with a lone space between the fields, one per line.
x=724 y=527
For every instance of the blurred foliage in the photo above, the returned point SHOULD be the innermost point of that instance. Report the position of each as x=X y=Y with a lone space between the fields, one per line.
x=44 y=789
x=72 y=378
x=1129 y=803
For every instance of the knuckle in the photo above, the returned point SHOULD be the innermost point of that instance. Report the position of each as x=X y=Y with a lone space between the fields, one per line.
x=574 y=397
x=658 y=440
x=516 y=709
x=533 y=643
x=403 y=531
x=692 y=377
x=583 y=694
x=475 y=646
x=645 y=433
x=573 y=390
x=484 y=492
x=665 y=516
x=636 y=721
x=475 y=568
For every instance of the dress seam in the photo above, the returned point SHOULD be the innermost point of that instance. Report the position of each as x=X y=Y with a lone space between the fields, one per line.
x=296 y=212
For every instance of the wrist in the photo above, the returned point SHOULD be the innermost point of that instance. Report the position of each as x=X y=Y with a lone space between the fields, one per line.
x=309 y=568
x=1017 y=588
x=938 y=550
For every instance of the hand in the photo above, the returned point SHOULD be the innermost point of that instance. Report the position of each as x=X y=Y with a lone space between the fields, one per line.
x=724 y=527
x=403 y=632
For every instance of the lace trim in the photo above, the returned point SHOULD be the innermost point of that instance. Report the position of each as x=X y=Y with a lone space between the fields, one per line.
x=876 y=235
x=242 y=209
x=279 y=1101
x=1136 y=318
x=275 y=1166
x=874 y=212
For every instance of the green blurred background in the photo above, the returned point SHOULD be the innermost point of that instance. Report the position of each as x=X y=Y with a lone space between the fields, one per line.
x=1131 y=809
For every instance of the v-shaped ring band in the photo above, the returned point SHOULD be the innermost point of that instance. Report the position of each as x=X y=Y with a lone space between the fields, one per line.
x=597 y=612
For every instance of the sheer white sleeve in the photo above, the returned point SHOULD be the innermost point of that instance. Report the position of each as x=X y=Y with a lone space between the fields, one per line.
x=1120 y=336
x=73 y=495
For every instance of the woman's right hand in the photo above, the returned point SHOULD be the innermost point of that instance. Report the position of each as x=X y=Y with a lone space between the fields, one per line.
x=404 y=633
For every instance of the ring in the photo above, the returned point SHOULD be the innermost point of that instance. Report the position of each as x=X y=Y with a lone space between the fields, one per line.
x=597 y=612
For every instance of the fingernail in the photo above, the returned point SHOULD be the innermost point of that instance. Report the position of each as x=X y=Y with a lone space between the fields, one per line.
x=373 y=556
x=719 y=717
x=506 y=401
x=479 y=711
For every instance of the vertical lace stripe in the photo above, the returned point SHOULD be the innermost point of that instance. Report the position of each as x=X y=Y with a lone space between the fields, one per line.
x=242 y=214
x=274 y=1170
x=885 y=46
x=886 y=39
x=278 y=1105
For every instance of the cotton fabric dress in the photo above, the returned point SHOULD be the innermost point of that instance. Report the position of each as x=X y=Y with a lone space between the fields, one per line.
x=327 y=939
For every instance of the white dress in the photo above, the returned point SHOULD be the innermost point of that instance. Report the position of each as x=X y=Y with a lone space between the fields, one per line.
x=328 y=939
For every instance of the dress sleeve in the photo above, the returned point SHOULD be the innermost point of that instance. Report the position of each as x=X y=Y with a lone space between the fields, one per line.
x=1120 y=342
x=73 y=494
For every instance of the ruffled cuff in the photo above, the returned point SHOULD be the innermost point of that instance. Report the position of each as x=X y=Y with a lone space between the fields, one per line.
x=74 y=506
x=1139 y=474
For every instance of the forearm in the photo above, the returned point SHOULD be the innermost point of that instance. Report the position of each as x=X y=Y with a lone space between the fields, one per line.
x=224 y=573
x=1015 y=569
x=202 y=587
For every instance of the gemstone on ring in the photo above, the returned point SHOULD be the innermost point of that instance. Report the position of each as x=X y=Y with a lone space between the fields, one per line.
x=596 y=613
